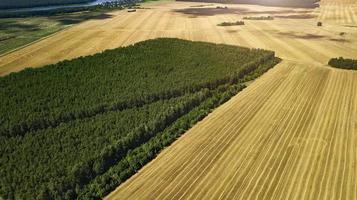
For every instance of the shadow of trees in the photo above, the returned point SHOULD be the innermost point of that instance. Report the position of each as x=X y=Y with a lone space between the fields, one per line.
x=210 y=11
x=18 y=25
x=28 y=24
x=78 y=18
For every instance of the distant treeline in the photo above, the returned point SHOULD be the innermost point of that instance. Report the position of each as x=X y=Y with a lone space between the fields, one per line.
x=5 y=4
x=259 y=18
x=287 y=3
x=237 y=23
x=79 y=128
x=343 y=63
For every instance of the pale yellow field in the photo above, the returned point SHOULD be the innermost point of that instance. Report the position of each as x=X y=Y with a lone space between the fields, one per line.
x=292 y=39
x=292 y=134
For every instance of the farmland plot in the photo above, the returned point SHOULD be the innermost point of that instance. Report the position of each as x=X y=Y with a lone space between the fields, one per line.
x=308 y=43
x=289 y=135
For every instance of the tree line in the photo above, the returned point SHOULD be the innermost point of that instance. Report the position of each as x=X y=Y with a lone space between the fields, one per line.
x=237 y=23
x=138 y=157
x=258 y=18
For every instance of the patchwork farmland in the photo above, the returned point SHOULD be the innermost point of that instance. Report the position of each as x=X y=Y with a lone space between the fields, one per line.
x=291 y=134
x=307 y=43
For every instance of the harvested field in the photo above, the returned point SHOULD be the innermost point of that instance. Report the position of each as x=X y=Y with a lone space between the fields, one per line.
x=289 y=135
x=173 y=19
x=338 y=13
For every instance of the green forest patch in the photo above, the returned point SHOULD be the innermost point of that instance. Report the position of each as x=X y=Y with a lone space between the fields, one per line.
x=79 y=128
x=343 y=63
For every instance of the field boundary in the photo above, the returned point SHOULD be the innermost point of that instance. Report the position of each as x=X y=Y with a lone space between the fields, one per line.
x=38 y=40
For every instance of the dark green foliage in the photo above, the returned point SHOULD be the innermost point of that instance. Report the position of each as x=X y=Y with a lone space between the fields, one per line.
x=79 y=128
x=56 y=149
x=33 y=3
x=237 y=23
x=259 y=18
x=134 y=160
x=343 y=63
x=76 y=89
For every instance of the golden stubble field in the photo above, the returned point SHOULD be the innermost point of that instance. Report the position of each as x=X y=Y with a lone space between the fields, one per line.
x=293 y=34
x=292 y=134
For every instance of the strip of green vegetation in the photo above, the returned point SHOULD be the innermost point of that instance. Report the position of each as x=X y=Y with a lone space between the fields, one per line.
x=166 y=85
x=259 y=18
x=141 y=155
x=237 y=23
x=343 y=63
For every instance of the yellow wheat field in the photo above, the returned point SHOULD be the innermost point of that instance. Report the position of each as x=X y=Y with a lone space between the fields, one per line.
x=292 y=134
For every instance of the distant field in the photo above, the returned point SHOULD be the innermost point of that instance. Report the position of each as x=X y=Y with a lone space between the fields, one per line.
x=113 y=110
x=17 y=32
x=26 y=3
x=184 y=20
x=20 y=31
